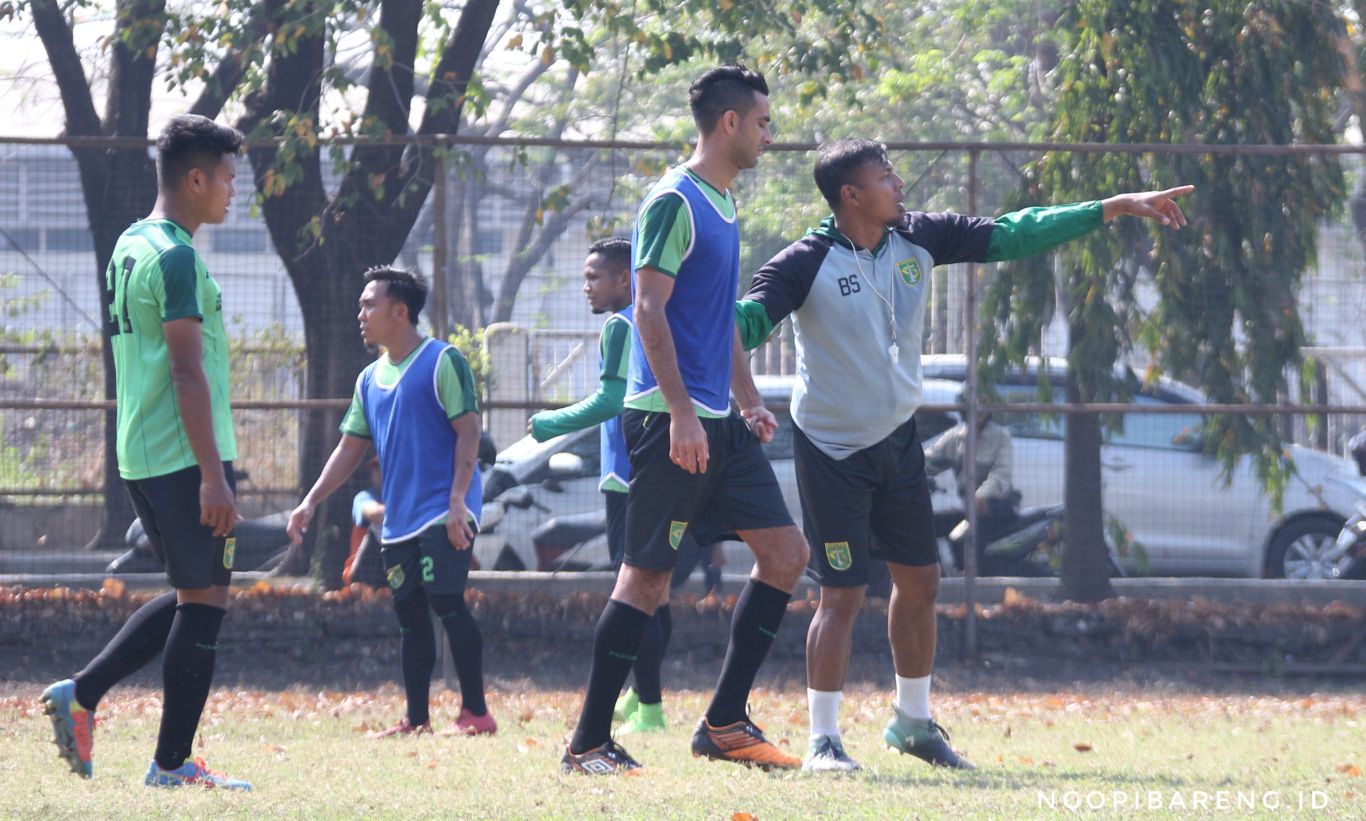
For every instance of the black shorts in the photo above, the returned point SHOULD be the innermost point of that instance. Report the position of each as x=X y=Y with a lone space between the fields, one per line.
x=874 y=503
x=737 y=492
x=168 y=507
x=616 y=525
x=700 y=535
x=428 y=559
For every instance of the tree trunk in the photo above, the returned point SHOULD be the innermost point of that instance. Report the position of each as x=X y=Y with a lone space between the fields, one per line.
x=1085 y=560
x=119 y=188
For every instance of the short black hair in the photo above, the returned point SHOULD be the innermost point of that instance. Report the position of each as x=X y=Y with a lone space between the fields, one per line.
x=615 y=250
x=406 y=286
x=193 y=141
x=838 y=163
x=722 y=89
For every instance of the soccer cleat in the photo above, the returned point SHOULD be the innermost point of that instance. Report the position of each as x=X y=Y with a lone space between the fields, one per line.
x=627 y=704
x=648 y=718
x=923 y=739
x=826 y=755
x=73 y=726
x=404 y=727
x=193 y=774
x=741 y=742
x=609 y=759
x=470 y=724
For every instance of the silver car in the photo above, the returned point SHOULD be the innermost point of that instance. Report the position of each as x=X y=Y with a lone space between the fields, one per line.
x=1170 y=497
x=1166 y=497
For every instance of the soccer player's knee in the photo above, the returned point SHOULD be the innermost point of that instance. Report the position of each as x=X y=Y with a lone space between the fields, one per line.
x=449 y=607
x=919 y=587
x=412 y=613
x=792 y=556
x=841 y=603
x=801 y=553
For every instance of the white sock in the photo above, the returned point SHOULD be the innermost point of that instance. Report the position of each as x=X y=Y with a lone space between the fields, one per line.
x=825 y=711
x=913 y=697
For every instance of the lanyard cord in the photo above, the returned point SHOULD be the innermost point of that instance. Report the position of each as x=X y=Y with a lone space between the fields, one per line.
x=894 y=351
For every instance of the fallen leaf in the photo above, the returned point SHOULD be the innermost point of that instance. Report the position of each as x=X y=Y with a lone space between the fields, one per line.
x=1350 y=769
x=743 y=816
x=1082 y=747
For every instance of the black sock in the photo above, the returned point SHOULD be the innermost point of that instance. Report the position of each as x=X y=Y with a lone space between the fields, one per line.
x=139 y=641
x=649 y=657
x=758 y=613
x=614 y=651
x=649 y=664
x=665 y=617
x=416 y=652
x=467 y=648
x=187 y=673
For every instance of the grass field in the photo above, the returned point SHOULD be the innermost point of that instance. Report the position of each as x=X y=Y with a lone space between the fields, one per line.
x=1137 y=754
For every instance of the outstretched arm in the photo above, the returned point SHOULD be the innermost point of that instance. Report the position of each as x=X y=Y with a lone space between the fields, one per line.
x=1160 y=206
x=1031 y=231
x=604 y=403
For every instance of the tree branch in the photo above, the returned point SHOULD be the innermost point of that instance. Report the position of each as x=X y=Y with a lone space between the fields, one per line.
x=245 y=52
x=293 y=86
x=521 y=263
x=452 y=75
x=132 y=66
x=81 y=118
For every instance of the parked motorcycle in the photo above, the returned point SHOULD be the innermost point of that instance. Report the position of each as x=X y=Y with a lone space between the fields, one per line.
x=492 y=549
x=261 y=545
x=1347 y=558
x=1029 y=544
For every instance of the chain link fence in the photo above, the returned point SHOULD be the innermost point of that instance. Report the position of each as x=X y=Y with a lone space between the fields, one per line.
x=503 y=236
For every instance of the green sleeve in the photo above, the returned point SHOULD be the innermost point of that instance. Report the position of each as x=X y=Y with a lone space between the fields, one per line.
x=664 y=234
x=1036 y=230
x=179 y=283
x=455 y=385
x=353 y=423
x=615 y=345
x=606 y=401
x=751 y=318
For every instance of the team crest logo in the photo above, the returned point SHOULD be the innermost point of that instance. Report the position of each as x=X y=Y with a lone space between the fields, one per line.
x=229 y=552
x=909 y=270
x=676 y=531
x=395 y=575
x=839 y=556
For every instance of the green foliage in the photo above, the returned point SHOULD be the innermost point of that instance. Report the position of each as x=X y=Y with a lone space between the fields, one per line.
x=470 y=342
x=1226 y=319
x=818 y=37
x=1126 y=546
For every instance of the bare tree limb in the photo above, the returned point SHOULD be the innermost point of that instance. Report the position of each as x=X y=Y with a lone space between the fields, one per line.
x=138 y=27
x=245 y=52
x=53 y=29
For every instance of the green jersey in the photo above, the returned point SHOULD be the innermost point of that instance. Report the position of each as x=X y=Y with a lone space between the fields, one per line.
x=156 y=276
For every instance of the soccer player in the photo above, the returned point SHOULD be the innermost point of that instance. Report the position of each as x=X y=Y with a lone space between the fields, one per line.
x=856 y=287
x=418 y=403
x=688 y=453
x=175 y=452
x=607 y=284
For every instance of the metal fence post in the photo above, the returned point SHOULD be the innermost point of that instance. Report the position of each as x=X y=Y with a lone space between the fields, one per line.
x=440 y=314
x=970 y=443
